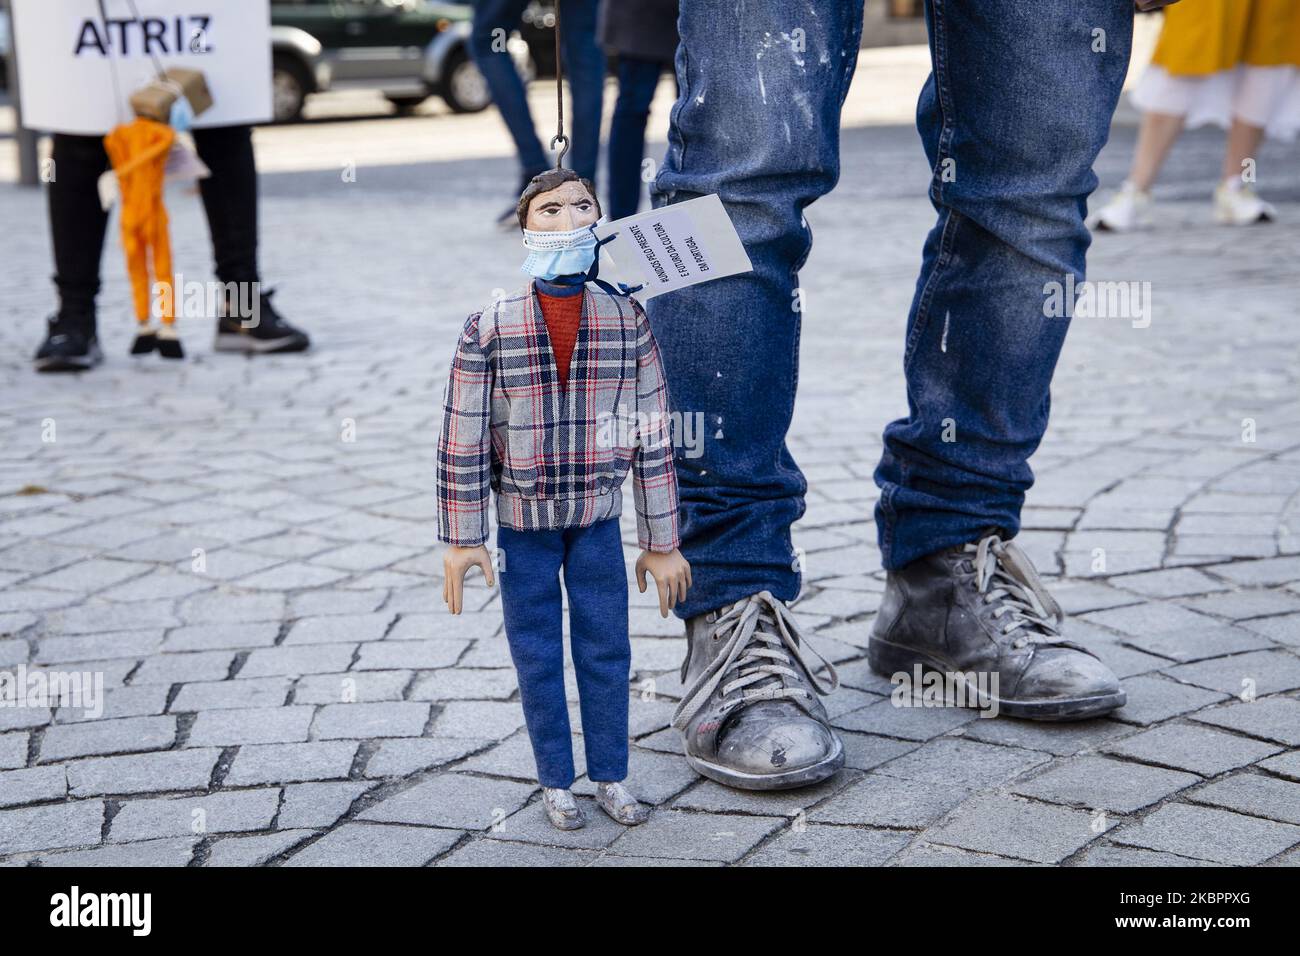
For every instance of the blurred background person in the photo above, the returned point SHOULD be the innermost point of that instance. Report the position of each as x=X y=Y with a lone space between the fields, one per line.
x=642 y=34
x=584 y=68
x=1232 y=63
x=78 y=222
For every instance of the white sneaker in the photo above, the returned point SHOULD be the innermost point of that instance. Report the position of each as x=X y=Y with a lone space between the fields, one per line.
x=1128 y=209
x=1235 y=204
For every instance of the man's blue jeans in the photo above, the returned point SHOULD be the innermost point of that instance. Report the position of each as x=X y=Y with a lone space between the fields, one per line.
x=1020 y=100
x=637 y=82
x=595 y=579
x=584 y=68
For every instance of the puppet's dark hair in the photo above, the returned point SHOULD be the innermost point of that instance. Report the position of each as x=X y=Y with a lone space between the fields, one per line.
x=544 y=183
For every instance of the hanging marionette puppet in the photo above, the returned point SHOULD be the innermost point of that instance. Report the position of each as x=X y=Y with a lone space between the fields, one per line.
x=556 y=392
x=142 y=153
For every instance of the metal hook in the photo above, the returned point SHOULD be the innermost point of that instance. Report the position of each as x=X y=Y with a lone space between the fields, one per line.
x=560 y=138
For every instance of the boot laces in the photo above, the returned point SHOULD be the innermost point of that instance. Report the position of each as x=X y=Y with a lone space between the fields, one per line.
x=1006 y=578
x=762 y=659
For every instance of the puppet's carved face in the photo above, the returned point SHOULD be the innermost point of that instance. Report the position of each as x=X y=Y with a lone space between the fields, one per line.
x=566 y=207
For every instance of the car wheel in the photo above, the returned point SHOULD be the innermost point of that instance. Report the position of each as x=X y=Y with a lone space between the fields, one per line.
x=463 y=87
x=290 y=83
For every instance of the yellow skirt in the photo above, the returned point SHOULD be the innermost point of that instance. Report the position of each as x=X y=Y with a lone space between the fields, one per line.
x=1206 y=36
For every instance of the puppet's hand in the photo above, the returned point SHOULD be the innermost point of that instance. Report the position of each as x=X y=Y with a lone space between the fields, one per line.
x=671 y=572
x=455 y=563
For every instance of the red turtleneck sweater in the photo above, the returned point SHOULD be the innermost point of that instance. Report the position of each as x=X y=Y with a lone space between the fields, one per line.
x=563 y=315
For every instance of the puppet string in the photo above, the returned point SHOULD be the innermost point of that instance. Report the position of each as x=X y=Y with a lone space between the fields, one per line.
x=559 y=137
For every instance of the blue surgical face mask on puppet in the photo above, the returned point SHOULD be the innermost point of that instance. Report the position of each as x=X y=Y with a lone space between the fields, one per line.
x=182 y=115
x=552 y=254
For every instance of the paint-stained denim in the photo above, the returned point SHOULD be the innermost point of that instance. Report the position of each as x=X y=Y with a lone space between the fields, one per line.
x=1020 y=102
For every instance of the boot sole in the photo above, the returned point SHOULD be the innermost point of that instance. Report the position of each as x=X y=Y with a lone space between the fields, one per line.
x=790 y=780
x=64 y=365
x=82 y=363
x=886 y=659
x=1224 y=219
x=232 y=342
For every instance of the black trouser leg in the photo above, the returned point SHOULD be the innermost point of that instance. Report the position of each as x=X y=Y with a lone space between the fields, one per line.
x=230 y=200
x=77 y=223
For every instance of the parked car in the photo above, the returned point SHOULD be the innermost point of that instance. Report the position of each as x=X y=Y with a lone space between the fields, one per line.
x=407 y=49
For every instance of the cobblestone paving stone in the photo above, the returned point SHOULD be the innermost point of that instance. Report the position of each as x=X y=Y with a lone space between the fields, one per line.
x=263 y=595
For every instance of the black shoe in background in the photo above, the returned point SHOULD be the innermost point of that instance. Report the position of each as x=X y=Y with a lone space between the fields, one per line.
x=265 y=333
x=169 y=343
x=70 y=345
x=146 y=341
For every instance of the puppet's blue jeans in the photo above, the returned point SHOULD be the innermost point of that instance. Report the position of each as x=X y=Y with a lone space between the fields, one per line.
x=595 y=579
x=1016 y=109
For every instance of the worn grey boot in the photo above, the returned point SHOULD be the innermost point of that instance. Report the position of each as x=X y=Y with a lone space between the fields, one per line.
x=980 y=609
x=621 y=806
x=749 y=715
x=563 y=809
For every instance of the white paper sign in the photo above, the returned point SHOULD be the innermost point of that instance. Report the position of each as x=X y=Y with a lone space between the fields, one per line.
x=675 y=246
x=77 y=69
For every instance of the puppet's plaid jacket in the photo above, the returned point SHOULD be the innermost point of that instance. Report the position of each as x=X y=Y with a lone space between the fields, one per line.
x=556 y=458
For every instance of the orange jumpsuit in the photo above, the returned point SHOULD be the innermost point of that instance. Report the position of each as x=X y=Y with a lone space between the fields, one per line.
x=138 y=151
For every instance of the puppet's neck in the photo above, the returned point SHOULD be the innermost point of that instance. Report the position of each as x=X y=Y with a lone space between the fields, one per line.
x=562 y=285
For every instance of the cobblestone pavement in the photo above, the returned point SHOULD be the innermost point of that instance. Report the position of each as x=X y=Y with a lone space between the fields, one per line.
x=1172 y=540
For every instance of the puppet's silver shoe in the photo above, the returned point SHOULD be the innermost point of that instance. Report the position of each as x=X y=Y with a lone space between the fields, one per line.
x=562 y=809
x=621 y=806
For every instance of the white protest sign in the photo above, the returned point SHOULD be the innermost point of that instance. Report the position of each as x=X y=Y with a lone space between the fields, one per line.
x=78 y=66
x=675 y=246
